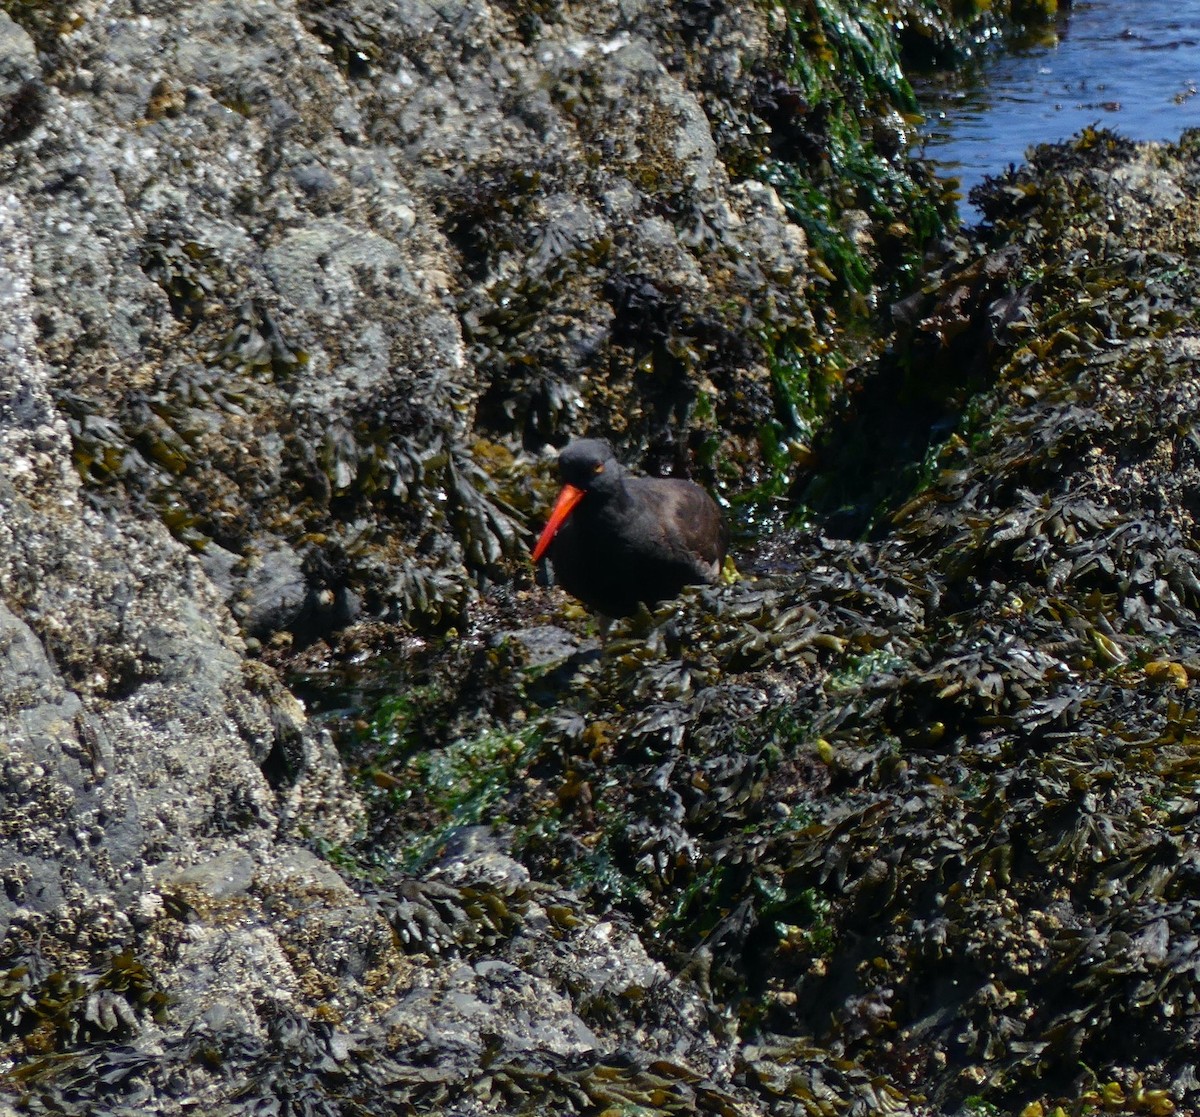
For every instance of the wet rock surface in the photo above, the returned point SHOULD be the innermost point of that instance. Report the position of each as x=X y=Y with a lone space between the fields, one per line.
x=920 y=833
x=296 y=303
x=933 y=815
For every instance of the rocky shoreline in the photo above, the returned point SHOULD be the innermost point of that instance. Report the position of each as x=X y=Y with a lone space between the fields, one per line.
x=296 y=303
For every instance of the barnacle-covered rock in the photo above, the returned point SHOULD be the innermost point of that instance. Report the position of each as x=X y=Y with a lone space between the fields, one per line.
x=913 y=816
x=295 y=301
x=372 y=236
x=978 y=871
x=136 y=752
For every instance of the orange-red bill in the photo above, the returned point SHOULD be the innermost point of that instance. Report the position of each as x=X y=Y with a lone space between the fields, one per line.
x=567 y=499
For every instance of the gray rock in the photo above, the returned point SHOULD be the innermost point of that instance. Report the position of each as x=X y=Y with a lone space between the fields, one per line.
x=275 y=592
x=492 y=1007
x=244 y=351
x=133 y=729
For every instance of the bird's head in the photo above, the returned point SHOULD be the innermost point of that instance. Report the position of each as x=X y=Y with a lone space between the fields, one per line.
x=585 y=466
x=584 y=463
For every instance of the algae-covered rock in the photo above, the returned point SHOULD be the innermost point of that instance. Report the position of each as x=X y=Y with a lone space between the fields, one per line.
x=287 y=289
x=923 y=806
x=911 y=816
x=134 y=753
x=296 y=302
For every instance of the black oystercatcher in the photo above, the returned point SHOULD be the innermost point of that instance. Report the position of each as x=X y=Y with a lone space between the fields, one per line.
x=615 y=540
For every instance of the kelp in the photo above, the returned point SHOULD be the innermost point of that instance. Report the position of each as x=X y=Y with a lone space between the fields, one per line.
x=922 y=809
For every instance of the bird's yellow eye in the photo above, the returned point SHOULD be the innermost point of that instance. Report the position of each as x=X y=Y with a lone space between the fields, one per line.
x=599 y=468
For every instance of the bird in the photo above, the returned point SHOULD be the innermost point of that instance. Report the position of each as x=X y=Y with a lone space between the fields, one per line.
x=616 y=540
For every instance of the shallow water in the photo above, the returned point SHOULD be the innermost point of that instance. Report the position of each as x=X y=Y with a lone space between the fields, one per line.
x=1129 y=65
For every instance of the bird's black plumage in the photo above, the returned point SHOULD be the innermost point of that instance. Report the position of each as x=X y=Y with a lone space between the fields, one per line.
x=621 y=540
